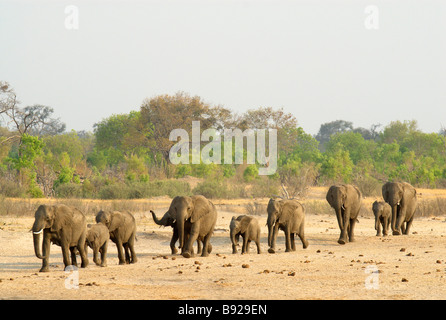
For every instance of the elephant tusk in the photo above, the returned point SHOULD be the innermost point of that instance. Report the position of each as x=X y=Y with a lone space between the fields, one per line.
x=38 y=232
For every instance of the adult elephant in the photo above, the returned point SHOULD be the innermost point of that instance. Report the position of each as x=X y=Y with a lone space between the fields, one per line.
x=402 y=197
x=63 y=226
x=167 y=221
x=202 y=216
x=345 y=199
x=289 y=216
x=122 y=228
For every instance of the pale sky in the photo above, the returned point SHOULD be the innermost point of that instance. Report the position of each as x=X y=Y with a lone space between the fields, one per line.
x=314 y=58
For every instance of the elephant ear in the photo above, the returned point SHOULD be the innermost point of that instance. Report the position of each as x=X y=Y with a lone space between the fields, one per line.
x=116 y=219
x=244 y=224
x=287 y=209
x=201 y=207
x=61 y=216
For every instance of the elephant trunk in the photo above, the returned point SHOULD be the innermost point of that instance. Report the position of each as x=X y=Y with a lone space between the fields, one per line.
x=376 y=222
x=180 y=228
x=270 y=224
x=160 y=222
x=37 y=232
x=394 y=215
x=233 y=240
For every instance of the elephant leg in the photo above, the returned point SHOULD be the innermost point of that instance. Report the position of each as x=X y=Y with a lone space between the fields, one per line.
x=248 y=243
x=258 y=246
x=401 y=213
x=82 y=252
x=408 y=225
x=386 y=223
x=272 y=248
x=345 y=230
x=301 y=235
x=188 y=250
x=96 y=255
x=66 y=254
x=131 y=247
x=73 y=256
x=46 y=244
x=206 y=244
x=199 y=248
x=126 y=253
x=104 y=254
x=287 y=240
x=245 y=244
x=173 y=241
x=351 y=231
x=378 y=230
x=120 y=252
x=403 y=228
x=293 y=244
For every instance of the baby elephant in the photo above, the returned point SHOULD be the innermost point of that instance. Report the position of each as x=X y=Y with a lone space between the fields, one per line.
x=247 y=227
x=97 y=239
x=383 y=215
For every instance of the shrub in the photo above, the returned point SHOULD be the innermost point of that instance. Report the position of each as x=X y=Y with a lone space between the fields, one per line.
x=69 y=190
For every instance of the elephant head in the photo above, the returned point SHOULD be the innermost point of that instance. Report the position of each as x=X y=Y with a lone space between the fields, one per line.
x=393 y=193
x=43 y=219
x=336 y=196
x=237 y=225
x=184 y=208
x=49 y=218
x=112 y=219
x=274 y=210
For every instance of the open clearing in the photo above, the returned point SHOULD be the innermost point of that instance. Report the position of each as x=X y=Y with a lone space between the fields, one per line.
x=406 y=267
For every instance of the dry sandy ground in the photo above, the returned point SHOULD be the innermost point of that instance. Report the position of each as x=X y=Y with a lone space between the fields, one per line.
x=407 y=267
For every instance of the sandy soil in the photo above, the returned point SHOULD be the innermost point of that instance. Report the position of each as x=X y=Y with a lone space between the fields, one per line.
x=407 y=267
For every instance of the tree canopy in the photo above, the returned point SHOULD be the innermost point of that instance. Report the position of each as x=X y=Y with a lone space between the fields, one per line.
x=127 y=155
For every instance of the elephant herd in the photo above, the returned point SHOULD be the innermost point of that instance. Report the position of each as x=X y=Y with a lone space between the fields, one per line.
x=193 y=219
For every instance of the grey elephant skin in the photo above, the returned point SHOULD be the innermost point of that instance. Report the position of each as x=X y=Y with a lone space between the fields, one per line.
x=97 y=239
x=122 y=228
x=202 y=216
x=383 y=214
x=168 y=221
x=248 y=228
x=346 y=200
x=402 y=197
x=63 y=226
x=288 y=216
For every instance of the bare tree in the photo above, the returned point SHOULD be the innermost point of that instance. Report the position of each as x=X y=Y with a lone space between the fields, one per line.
x=8 y=102
x=36 y=120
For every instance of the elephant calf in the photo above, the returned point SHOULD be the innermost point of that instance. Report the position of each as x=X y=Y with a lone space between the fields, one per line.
x=97 y=239
x=383 y=215
x=289 y=216
x=247 y=227
x=122 y=228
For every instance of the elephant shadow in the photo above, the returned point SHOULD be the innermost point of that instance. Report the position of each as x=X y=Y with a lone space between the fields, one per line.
x=15 y=266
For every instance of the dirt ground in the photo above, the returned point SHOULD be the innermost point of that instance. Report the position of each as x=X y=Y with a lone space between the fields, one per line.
x=392 y=267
